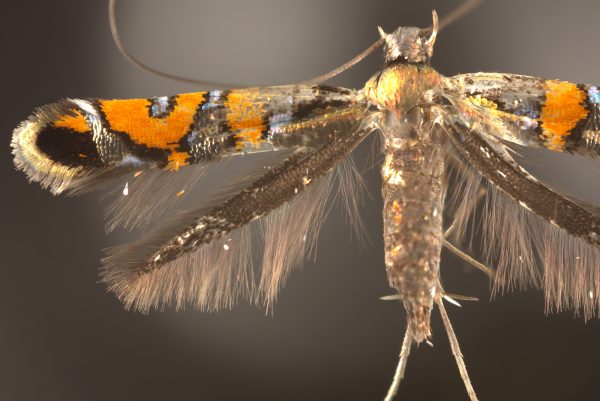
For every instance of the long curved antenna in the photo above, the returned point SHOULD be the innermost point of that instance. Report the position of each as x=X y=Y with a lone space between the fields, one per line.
x=459 y=12
x=144 y=67
x=346 y=66
x=454 y=15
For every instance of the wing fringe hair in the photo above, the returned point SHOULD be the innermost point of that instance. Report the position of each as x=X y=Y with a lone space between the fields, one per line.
x=526 y=250
x=250 y=262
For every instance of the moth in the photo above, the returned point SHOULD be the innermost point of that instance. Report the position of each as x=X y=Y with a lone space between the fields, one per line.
x=435 y=131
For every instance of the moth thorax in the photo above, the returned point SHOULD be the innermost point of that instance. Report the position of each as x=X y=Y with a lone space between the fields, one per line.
x=401 y=87
x=404 y=133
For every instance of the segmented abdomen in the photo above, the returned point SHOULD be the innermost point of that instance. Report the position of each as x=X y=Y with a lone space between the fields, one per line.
x=413 y=206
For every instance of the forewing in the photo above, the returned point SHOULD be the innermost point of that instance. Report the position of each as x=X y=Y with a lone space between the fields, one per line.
x=555 y=115
x=154 y=151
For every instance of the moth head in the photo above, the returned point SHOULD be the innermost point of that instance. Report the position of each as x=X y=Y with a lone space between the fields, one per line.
x=410 y=44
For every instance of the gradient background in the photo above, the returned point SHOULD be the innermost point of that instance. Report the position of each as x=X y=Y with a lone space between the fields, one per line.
x=63 y=338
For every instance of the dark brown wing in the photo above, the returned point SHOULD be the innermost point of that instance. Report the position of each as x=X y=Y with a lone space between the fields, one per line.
x=531 y=233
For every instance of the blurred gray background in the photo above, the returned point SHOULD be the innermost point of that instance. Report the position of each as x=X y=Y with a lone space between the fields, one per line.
x=62 y=337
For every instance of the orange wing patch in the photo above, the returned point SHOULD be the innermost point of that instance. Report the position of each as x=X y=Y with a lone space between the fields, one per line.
x=245 y=116
x=561 y=112
x=133 y=117
x=76 y=122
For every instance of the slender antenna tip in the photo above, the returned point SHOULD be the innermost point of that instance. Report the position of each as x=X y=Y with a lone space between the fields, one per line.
x=463 y=9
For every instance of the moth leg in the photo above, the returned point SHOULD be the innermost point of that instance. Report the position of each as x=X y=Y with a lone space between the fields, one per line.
x=453 y=297
x=462 y=368
x=450 y=230
x=464 y=256
x=468 y=258
x=404 y=352
x=480 y=195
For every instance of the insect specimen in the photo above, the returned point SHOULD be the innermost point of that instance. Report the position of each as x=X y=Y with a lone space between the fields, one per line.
x=431 y=127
